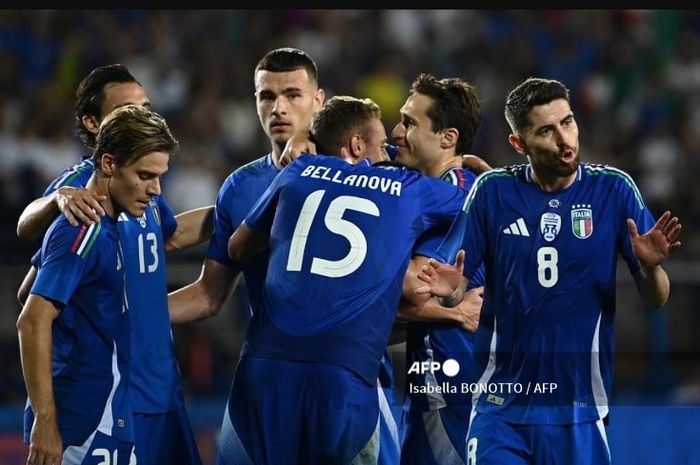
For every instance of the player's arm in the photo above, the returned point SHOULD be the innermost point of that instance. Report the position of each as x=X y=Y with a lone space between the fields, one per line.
x=245 y=242
x=34 y=327
x=78 y=204
x=194 y=227
x=475 y=164
x=26 y=286
x=444 y=281
x=652 y=249
x=297 y=145
x=424 y=307
x=204 y=297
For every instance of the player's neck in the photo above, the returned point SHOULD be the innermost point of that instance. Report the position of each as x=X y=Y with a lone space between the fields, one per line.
x=99 y=184
x=552 y=183
x=445 y=163
x=276 y=154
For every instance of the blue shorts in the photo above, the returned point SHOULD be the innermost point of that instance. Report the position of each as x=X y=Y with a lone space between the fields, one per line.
x=289 y=413
x=493 y=441
x=100 y=449
x=391 y=426
x=435 y=437
x=166 y=437
x=393 y=414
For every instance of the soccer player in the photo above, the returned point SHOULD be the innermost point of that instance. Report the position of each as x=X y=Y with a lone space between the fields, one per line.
x=438 y=122
x=162 y=429
x=74 y=329
x=352 y=129
x=431 y=141
x=287 y=96
x=340 y=237
x=548 y=233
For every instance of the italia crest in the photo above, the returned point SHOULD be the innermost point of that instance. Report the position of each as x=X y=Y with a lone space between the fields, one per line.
x=582 y=221
x=156 y=212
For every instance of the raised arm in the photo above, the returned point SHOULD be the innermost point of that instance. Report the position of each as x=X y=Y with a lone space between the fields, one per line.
x=34 y=327
x=194 y=227
x=297 y=145
x=78 y=204
x=652 y=249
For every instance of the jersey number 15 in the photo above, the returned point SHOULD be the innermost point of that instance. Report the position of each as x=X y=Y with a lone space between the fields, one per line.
x=335 y=223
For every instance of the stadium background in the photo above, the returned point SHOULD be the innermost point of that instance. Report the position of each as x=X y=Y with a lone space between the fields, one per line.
x=635 y=82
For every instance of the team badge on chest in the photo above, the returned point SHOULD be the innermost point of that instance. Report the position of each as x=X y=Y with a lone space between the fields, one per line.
x=582 y=221
x=550 y=224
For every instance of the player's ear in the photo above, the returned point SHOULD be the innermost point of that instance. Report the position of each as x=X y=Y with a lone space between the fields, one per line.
x=357 y=147
x=518 y=144
x=107 y=164
x=319 y=98
x=449 y=138
x=90 y=122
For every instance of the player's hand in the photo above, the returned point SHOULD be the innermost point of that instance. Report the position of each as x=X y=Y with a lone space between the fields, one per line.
x=475 y=164
x=80 y=205
x=654 y=247
x=469 y=309
x=297 y=145
x=441 y=280
x=45 y=444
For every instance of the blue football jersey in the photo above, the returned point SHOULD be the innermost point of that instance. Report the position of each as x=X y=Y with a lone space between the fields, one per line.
x=73 y=176
x=82 y=270
x=547 y=323
x=437 y=342
x=340 y=239
x=154 y=368
x=237 y=195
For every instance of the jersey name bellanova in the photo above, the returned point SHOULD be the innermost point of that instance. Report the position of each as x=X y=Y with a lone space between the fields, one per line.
x=390 y=186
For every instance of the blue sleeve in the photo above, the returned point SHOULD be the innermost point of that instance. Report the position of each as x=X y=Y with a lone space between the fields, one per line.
x=75 y=176
x=223 y=224
x=631 y=205
x=167 y=218
x=441 y=202
x=62 y=266
x=468 y=231
x=429 y=242
x=36 y=259
x=262 y=214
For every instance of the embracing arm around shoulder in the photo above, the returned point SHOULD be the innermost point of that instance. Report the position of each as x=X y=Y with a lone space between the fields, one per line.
x=78 y=204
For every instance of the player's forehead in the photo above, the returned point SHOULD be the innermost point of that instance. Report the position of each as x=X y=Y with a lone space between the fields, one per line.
x=550 y=113
x=416 y=106
x=377 y=131
x=281 y=82
x=120 y=94
x=155 y=163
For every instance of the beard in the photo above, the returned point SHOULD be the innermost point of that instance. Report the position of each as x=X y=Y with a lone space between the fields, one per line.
x=552 y=166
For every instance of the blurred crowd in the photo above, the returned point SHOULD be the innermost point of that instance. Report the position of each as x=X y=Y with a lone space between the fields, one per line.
x=634 y=77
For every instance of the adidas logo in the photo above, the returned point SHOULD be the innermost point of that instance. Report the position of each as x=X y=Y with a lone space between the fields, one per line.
x=517 y=228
